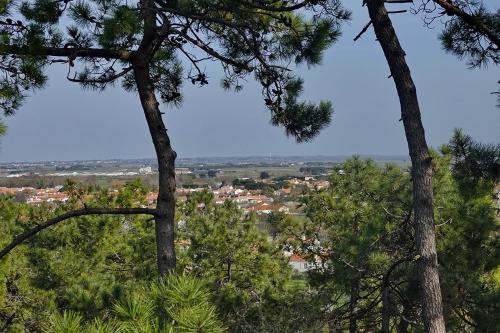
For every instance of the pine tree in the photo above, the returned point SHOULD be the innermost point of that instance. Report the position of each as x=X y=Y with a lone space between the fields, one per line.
x=140 y=46
x=358 y=238
x=474 y=34
x=361 y=228
x=228 y=250
x=177 y=304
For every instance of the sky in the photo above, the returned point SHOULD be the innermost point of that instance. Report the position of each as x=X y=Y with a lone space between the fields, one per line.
x=64 y=122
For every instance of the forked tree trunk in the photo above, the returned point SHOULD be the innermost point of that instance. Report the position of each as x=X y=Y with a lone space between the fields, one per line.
x=165 y=205
x=421 y=167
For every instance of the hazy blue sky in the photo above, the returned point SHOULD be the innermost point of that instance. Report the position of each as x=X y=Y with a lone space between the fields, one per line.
x=63 y=122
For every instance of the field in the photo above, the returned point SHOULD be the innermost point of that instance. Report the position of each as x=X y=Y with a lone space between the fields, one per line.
x=191 y=172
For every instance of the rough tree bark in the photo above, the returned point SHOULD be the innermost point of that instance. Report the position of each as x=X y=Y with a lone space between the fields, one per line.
x=165 y=205
x=421 y=167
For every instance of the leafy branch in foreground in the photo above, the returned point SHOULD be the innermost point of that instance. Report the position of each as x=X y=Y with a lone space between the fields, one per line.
x=175 y=304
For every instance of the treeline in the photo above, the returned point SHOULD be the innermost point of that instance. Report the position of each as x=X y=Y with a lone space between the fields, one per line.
x=251 y=184
x=314 y=170
x=97 y=273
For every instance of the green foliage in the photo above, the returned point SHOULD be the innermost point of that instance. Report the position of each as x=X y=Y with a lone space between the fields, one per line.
x=68 y=322
x=475 y=165
x=83 y=265
x=359 y=233
x=229 y=249
x=186 y=301
x=312 y=39
x=120 y=29
x=251 y=184
x=242 y=266
x=93 y=274
x=4 y=6
x=42 y=11
x=300 y=120
x=468 y=223
x=97 y=270
x=464 y=41
x=177 y=304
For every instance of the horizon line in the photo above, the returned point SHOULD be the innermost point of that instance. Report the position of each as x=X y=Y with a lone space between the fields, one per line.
x=399 y=156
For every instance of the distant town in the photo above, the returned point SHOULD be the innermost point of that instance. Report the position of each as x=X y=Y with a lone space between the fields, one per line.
x=257 y=185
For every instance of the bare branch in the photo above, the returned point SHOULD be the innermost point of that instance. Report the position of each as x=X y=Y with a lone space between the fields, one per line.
x=365 y=28
x=210 y=51
x=103 y=79
x=280 y=9
x=396 y=11
x=471 y=20
x=71 y=52
x=445 y=222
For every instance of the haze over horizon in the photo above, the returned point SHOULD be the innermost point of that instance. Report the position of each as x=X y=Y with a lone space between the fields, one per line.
x=242 y=157
x=62 y=122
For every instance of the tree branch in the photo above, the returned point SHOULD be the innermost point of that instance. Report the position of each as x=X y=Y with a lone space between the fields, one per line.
x=279 y=9
x=103 y=79
x=365 y=28
x=471 y=20
x=69 y=52
x=75 y=213
x=211 y=52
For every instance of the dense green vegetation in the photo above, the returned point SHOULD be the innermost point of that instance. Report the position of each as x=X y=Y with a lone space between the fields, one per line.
x=98 y=273
x=361 y=232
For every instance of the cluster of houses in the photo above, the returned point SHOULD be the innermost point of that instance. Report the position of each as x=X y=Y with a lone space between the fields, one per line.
x=249 y=201
x=254 y=200
x=36 y=196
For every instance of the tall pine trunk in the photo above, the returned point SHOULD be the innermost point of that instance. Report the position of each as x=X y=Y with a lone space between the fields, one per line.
x=165 y=205
x=421 y=167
